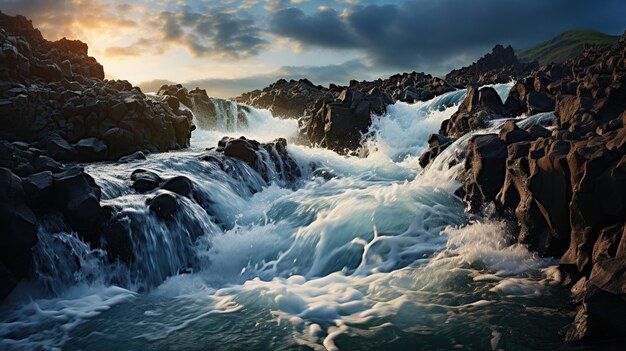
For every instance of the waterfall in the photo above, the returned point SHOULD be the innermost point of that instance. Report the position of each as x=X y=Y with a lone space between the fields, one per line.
x=349 y=255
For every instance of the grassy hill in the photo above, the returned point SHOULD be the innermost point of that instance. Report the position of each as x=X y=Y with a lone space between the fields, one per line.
x=564 y=46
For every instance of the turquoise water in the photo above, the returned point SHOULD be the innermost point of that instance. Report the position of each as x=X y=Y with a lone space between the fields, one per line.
x=380 y=257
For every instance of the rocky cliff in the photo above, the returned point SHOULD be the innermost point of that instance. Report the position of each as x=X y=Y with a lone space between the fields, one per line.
x=54 y=97
x=499 y=66
x=56 y=109
x=564 y=187
x=336 y=117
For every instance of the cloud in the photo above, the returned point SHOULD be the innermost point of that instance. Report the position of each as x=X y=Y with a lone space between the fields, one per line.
x=219 y=33
x=70 y=18
x=429 y=35
x=324 y=28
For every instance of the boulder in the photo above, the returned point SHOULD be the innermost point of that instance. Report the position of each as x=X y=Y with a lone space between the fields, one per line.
x=77 y=196
x=39 y=190
x=19 y=233
x=478 y=108
x=436 y=144
x=91 y=149
x=164 y=205
x=486 y=163
x=511 y=133
x=241 y=149
x=145 y=181
x=117 y=241
x=180 y=185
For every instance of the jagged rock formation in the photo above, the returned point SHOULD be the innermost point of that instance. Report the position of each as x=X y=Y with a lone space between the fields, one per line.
x=336 y=117
x=479 y=107
x=56 y=106
x=54 y=97
x=286 y=99
x=499 y=66
x=34 y=185
x=566 y=188
x=211 y=113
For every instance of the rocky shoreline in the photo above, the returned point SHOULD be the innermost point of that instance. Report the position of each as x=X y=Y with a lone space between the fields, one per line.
x=562 y=187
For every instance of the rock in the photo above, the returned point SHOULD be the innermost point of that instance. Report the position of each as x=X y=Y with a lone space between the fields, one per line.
x=599 y=319
x=39 y=190
x=538 y=102
x=336 y=117
x=164 y=205
x=536 y=131
x=78 y=196
x=566 y=187
x=511 y=133
x=271 y=160
x=608 y=275
x=59 y=148
x=9 y=282
x=486 y=162
x=117 y=241
x=499 y=66
x=91 y=149
x=54 y=95
x=177 y=91
x=180 y=185
x=323 y=173
x=241 y=149
x=139 y=155
x=436 y=144
x=119 y=142
x=477 y=109
x=145 y=181
x=19 y=233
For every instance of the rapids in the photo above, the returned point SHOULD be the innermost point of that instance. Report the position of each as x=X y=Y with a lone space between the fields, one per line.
x=380 y=257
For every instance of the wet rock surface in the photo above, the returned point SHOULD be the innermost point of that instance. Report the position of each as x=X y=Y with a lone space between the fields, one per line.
x=211 y=113
x=271 y=160
x=336 y=117
x=565 y=188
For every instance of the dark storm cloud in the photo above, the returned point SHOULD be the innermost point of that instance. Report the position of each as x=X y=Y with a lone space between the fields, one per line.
x=216 y=33
x=323 y=28
x=427 y=34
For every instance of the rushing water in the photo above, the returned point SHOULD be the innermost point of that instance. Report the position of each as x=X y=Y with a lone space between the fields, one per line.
x=380 y=257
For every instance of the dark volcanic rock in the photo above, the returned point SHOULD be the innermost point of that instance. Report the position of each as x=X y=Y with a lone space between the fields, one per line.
x=164 y=205
x=480 y=106
x=270 y=160
x=337 y=117
x=436 y=144
x=117 y=241
x=144 y=181
x=54 y=97
x=19 y=232
x=180 y=185
x=599 y=321
x=499 y=66
x=78 y=196
x=242 y=149
x=511 y=133
x=566 y=189
x=486 y=163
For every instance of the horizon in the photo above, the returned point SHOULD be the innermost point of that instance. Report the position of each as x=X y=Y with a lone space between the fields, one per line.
x=231 y=47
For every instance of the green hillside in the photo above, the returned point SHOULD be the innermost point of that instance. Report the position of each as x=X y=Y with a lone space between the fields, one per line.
x=564 y=46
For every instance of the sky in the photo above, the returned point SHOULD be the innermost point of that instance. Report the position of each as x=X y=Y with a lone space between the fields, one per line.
x=232 y=46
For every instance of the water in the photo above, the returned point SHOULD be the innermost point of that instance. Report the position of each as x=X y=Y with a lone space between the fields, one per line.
x=382 y=256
